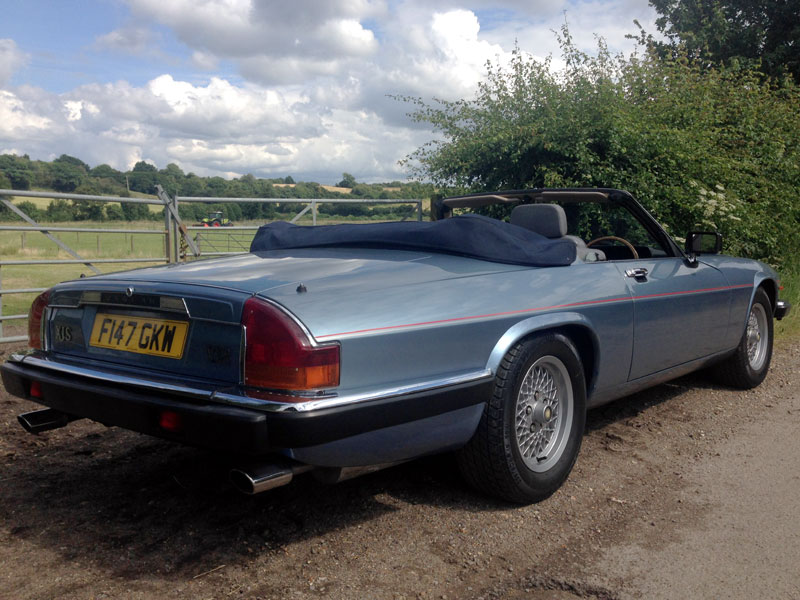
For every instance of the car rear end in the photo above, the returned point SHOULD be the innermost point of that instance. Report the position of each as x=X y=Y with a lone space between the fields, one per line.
x=167 y=360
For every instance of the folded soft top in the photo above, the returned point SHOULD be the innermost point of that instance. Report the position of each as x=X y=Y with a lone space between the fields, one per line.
x=474 y=236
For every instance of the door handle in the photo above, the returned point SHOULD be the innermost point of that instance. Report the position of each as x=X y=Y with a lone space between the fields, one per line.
x=638 y=273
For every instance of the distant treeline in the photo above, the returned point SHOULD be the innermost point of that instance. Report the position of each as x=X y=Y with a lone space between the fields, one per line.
x=71 y=175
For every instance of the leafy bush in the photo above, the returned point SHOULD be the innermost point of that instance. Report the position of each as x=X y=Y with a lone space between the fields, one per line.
x=30 y=209
x=59 y=210
x=699 y=147
x=114 y=212
x=86 y=210
x=135 y=211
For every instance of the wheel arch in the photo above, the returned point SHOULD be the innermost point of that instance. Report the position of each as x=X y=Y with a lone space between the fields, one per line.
x=770 y=286
x=574 y=326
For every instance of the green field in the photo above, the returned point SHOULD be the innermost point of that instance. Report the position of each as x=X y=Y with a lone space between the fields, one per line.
x=23 y=246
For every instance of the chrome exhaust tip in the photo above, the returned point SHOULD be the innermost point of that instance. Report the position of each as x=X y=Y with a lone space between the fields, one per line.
x=257 y=478
x=44 y=420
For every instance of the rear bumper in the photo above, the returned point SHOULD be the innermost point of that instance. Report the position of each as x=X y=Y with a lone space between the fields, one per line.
x=217 y=425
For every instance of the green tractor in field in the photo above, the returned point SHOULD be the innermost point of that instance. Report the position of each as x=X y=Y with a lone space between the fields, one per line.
x=215 y=219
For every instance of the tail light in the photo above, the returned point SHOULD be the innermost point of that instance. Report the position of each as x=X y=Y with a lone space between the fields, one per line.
x=280 y=355
x=35 y=320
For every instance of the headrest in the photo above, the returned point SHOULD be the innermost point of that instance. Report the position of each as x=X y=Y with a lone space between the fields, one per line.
x=548 y=220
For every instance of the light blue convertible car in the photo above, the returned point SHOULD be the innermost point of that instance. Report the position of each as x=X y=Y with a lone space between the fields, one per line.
x=340 y=349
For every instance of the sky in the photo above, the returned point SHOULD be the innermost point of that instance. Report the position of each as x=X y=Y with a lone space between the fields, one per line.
x=272 y=88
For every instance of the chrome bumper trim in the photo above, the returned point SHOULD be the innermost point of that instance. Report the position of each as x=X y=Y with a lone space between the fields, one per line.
x=782 y=309
x=232 y=399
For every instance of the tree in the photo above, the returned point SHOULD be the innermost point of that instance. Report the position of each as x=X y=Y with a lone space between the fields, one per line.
x=144 y=167
x=135 y=211
x=59 y=210
x=711 y=148
x=106 y=172
x=721 y=31
x=87 y=210
x=171 y=178
x=143 y=177
x=75 y=162
x=30 y=209
x=193 y=186
x=18 y=171
x=66 y=176
x=216 y=187
x=348 y=181
x=114 y=212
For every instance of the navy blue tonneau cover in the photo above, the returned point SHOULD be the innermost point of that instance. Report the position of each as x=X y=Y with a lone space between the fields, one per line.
x=474 y=236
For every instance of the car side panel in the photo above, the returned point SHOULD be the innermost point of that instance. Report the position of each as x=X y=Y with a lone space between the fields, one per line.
x=436 y=330
x=681 y=312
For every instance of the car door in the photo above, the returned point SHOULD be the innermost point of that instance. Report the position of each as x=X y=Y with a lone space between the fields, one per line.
x=680 y=312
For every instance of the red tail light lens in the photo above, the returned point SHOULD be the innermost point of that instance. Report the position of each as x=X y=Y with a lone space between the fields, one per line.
x=36 y=389
x=170 y=421
x=279 y=354
x=35 y=324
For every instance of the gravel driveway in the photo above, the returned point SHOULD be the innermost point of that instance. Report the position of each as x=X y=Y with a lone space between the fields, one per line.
x=685 y=490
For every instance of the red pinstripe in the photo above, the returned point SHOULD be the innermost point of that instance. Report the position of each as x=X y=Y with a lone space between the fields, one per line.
x=537 y=309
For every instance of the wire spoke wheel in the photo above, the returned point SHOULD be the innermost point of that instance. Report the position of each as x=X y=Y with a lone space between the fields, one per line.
x=747 y=366
x=543 y=413
x=532 y=426
x=756 y=336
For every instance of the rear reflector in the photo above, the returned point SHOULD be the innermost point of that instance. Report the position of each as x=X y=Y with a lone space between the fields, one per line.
x=279 y=355
x=36 y=389
x=170 y=421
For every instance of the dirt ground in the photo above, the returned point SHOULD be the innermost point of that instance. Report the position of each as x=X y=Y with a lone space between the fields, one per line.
x=688 y=490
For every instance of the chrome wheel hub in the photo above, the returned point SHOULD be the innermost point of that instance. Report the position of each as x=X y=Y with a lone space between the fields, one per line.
x=543 y=413
x=756 y=337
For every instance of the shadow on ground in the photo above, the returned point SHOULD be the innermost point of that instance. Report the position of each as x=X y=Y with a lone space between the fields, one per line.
x=131 y=504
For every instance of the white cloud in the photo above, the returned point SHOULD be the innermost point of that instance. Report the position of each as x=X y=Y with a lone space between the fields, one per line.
x=587 y=21
x=310 y=96
x=463 y=54
x=204 y=61
x=18 y=121
x=11 y=59
x=314 y=37
x=131 y=39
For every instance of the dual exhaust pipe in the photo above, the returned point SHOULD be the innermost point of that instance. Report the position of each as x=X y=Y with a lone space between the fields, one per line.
x=251 y=479
x=260 y=477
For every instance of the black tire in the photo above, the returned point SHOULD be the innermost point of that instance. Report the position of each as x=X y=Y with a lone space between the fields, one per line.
x=748 y=365
x=505 y=457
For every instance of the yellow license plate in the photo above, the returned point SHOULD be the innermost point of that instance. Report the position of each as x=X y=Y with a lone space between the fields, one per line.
x=156 y=337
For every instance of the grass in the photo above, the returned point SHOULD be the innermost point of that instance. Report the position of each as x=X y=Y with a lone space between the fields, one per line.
x=789 y=328
x=18 y=246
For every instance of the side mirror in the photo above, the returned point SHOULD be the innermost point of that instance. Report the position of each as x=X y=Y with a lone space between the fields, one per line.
x=703 y=242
